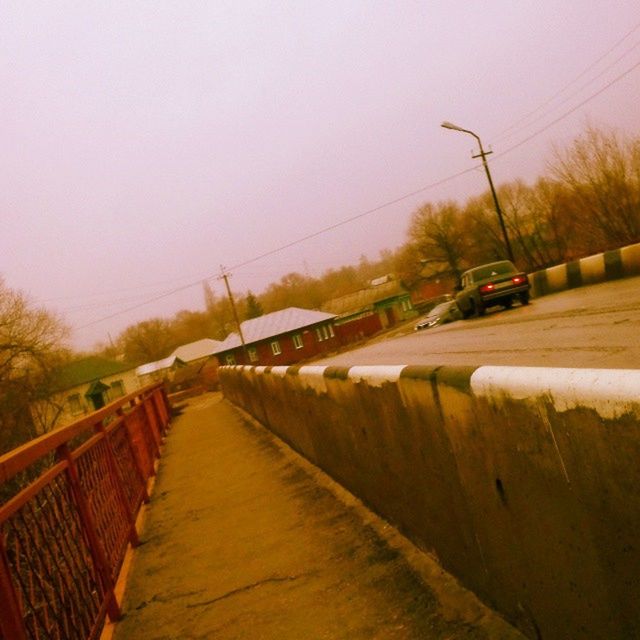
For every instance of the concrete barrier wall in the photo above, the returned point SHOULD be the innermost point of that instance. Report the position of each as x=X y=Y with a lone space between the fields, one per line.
x=610 y=265
x=524 y=482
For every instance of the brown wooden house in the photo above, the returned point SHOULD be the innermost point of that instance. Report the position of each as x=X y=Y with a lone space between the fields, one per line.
x=281 y=338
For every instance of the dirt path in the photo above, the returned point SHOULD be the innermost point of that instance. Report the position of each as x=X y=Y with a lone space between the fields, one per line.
x=242 y=541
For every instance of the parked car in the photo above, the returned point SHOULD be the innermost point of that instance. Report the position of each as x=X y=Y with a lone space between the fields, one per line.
x=440 y=314
x=496 y=283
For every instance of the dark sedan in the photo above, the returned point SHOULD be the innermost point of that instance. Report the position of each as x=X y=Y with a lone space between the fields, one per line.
x=489 y=285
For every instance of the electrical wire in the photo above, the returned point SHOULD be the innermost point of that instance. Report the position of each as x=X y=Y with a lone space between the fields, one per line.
x=369 y=211
x=569 y=112
x=501 y=135
x=504 y=134
x=281 y=248
x=574 y=93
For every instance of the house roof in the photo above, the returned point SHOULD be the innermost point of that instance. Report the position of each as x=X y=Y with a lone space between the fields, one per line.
x=274 y=324
x=184 y=374
x=364 y=298
x=88 y=369
x=158 y=365
x=196 y=350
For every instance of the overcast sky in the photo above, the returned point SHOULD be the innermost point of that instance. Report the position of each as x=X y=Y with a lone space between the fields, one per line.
x=144 y=144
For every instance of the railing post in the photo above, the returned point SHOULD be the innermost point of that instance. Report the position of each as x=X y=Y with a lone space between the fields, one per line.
x=136 y=462
x=154 y=427
x=166 y=405
x=11 y=618
x=95 y=548
x=112 y=465
x=153 y=404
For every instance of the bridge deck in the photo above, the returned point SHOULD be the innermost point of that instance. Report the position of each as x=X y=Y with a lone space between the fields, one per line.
x=242 y=540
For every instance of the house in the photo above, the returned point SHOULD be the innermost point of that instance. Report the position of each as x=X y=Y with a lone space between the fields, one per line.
x=198 y=351
x=282 y=337
x=158 y=370
x=430 y=290
x=83 y=386
x=365 y=312
x=201 y=370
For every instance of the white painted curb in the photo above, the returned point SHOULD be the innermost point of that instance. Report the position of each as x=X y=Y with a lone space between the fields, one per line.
x=610 y=392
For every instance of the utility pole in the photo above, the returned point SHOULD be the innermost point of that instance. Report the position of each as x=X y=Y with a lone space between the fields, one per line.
x=483 y=154
x=225 y=277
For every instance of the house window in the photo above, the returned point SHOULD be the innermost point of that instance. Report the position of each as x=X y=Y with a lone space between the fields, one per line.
x=319 y=334
x=75 y=406
x=253 y=354
x=230 y=358
x=117 y=389
x=331 y=332
x=325 y=333
x=297 y=341
x=406 y=305
x=275 y=348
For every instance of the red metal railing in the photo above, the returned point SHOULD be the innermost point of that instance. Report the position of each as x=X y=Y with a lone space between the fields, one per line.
x=64 y=535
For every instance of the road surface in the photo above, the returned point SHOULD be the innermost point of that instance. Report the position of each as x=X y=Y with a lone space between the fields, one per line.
x=595 y=327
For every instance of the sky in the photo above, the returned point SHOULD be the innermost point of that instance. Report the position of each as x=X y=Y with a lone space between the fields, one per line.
x=146 y=144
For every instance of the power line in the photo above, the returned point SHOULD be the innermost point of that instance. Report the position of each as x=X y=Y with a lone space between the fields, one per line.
x=369 y=211
x=577 y=91
x=569 y=112
x=282 y=247
x=503 y=133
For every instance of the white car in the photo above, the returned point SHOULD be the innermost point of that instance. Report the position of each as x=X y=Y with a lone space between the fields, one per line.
x=440 y=314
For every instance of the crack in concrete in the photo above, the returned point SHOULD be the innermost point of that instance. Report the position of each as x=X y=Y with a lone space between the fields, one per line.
x=158 y=598
x=247 y=587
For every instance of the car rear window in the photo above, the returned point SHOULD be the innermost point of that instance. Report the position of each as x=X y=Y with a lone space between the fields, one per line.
x=497 y=269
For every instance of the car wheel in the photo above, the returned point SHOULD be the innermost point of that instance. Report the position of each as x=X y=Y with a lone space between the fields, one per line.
x=464 y=313
x=477 y=308
x=524 y=297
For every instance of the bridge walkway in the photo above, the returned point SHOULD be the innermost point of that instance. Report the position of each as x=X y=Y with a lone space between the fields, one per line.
x=245 y=540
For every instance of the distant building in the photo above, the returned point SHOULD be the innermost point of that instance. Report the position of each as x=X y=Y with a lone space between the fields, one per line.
x=83 y=386
x=158 y=370
x=197 y=351
x=367 y=311
x=282 y=337
x=430 y=290
x=201 y=370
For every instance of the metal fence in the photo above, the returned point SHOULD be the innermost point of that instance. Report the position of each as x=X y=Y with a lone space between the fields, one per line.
x=64 y=535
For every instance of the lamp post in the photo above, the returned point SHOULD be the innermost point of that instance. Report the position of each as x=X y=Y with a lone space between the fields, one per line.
x=483 y=154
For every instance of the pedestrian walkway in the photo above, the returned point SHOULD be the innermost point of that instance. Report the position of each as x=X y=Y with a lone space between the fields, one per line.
x=242 y=540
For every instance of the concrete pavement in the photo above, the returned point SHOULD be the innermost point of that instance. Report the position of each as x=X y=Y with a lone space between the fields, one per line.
x=245 y=540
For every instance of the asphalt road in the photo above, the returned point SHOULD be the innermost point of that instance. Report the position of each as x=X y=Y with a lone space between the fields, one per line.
x=594 y=327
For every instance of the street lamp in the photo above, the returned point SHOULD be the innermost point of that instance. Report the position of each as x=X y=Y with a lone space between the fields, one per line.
x=483 y=154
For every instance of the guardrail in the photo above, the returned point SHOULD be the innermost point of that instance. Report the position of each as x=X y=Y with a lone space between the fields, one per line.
x=522 y=480
x=64 y=535
x=600 y=267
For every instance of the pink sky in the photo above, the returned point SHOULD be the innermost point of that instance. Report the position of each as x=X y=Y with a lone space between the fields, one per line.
x=144 y=144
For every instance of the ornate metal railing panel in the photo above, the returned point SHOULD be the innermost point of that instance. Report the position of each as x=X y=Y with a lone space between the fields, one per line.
x=64 y=534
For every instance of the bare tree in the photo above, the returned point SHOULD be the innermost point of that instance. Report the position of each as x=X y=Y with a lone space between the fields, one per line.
x=602 y=172
x=439 y=236
x=31 y=347
x=147 y=341
x=539 y=222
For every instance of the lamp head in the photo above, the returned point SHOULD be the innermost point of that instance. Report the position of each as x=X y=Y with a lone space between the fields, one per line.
x=450 y=125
